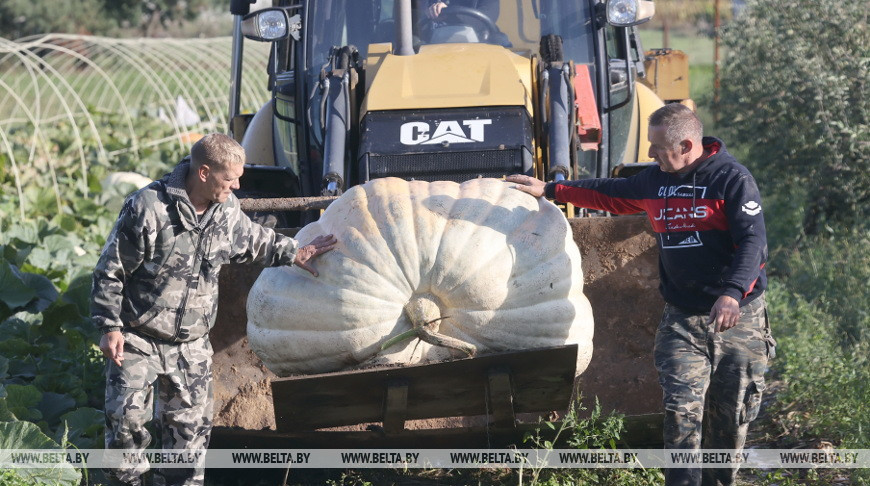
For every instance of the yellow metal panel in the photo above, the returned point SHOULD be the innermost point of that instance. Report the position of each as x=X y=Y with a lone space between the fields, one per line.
x=667 y=73
x=447 y=76
x=647 y=103
x=689 y=102
x=377 y=54
x=631 y=142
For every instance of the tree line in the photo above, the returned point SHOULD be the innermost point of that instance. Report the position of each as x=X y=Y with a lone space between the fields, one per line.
x=113 y=18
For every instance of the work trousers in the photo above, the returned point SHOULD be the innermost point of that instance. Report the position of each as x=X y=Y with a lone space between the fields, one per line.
x=181 y=374
x=712 y=384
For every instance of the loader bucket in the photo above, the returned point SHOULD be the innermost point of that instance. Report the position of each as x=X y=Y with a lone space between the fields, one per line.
x=620 y=265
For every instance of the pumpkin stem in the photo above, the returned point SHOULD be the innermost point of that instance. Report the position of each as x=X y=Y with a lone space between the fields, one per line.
x=425 y=315
x=397 y=339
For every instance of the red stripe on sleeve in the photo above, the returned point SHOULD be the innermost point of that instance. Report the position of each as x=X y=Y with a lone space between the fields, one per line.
x=592 y=199
x=752 y=285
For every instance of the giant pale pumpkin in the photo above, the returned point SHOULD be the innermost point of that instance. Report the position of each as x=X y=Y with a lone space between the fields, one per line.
x=467 y=269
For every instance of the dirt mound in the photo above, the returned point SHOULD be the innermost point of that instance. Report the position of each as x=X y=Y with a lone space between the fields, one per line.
x=620 y=268
x=243 y=396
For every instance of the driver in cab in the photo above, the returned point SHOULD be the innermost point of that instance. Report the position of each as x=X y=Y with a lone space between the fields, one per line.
x=469 y=13
x=487 y=7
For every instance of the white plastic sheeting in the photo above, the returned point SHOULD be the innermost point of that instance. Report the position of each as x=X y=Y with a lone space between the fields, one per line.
x=77 y=82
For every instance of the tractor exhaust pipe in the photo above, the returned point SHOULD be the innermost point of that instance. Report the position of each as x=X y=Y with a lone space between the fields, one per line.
x=404 y=29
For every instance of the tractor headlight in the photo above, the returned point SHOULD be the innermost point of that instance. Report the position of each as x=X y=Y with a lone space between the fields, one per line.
x=625 y=13
x=270 y=24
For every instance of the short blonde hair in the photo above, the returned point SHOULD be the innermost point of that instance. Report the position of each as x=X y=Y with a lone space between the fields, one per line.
x=218 y=151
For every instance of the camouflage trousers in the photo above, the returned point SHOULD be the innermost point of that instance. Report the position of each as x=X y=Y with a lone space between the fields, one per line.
x=711 y=383
x=181 y=374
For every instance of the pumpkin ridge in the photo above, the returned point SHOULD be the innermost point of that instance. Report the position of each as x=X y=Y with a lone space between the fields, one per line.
x=470 y=195
x=414 y=236
x=564 y=280
x=473 y=270
x=543 y=316
x=531 y=226
x=439 y=219
x=365 y=245
x=370 y=270
x=512 y=241
x=383 y=199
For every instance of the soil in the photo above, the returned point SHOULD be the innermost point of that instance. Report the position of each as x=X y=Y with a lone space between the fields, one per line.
x=620 y=269
x=243 y=395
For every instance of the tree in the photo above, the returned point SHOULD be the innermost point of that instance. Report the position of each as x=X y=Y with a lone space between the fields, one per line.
x=152 y=15
x=20 y=18
x=794 y=90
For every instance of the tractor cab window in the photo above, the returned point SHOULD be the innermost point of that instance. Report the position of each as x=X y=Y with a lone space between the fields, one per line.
x=514 y=24
x=337 y=23
x=459 y=21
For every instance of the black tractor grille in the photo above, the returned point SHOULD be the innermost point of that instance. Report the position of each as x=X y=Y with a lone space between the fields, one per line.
x=447 y=166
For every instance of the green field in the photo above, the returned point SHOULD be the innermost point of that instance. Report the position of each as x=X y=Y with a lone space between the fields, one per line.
x=699 y=48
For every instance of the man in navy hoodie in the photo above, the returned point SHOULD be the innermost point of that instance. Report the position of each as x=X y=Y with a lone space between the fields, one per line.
x=713 y=342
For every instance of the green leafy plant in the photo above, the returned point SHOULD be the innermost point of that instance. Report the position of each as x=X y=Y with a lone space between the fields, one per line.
x=51 y=371
x=26 y=435
x=594 y=431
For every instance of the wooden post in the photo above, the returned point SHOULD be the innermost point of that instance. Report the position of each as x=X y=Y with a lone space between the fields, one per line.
x=395 y=405
x=501 y=398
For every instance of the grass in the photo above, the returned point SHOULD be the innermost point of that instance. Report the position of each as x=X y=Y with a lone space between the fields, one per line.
x=699 y=48
x=819 y=312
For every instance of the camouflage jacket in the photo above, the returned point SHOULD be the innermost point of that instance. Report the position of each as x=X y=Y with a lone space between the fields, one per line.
x=158 y=273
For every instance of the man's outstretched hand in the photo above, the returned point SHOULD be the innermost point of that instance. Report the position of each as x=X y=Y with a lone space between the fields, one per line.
x=319 y=245
x=527 y=184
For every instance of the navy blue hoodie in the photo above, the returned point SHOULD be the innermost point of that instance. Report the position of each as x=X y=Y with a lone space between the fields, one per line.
x=710 y=227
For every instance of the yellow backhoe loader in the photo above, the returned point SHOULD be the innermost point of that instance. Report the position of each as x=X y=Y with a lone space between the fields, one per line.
x=364 y=89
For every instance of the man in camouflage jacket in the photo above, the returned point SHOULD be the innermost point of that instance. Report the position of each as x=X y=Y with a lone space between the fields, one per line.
x=155 y=296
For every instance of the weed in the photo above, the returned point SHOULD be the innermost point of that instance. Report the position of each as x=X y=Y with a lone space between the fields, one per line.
x=593 y=432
